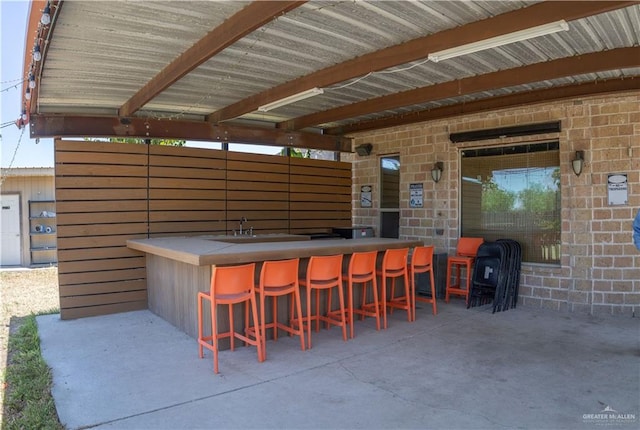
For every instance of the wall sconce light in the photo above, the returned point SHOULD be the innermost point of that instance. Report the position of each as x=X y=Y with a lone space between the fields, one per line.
x=364 y=149
x=578 y=162
x=436 y=171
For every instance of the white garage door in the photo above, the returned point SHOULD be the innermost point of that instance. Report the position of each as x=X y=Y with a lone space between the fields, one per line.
x=10 y=230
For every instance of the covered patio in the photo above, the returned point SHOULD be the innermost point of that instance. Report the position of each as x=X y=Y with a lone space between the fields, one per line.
x=364 y=81
x=525 y=368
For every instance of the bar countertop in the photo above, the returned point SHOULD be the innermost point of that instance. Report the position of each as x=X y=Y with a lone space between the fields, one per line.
x=212 y=250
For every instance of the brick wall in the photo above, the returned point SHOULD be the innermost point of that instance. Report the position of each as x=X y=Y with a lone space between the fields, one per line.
x=600 y=267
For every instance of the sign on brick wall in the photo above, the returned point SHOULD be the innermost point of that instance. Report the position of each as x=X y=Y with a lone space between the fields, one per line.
x=617 y=187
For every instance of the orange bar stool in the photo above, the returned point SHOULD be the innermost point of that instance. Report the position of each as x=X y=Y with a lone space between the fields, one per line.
x=422 y=262
x=464 y=258
x=230 y=285
x=362 y=272
x=277 y=279
x=324 y=273
x=394 y=267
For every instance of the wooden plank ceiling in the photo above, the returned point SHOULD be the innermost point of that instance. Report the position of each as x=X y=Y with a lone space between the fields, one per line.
x=202 y=70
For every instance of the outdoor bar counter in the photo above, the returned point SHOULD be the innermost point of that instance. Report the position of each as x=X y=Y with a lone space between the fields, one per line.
x=179 y=267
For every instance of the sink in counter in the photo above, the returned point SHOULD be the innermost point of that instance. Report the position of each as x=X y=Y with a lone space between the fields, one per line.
x=259 y=238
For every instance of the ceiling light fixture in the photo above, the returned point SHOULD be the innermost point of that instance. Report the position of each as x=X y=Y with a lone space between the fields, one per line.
x=291 y=99
x=494 y=42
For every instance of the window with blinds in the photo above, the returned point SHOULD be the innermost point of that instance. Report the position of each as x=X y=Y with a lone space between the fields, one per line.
x=514 y=193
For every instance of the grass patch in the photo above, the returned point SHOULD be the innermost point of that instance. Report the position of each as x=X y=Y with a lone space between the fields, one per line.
x=28 y=400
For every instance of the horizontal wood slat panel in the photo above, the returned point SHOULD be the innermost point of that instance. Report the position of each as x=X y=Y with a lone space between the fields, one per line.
x=187 y=234
x=308 y=197
x=196 y=205
x=321 y=189
x=302 y=225
x=320 y=206
x=93 y=311
x=100 y=265
x=245 y=195
x=65 y=255
x=256 y=158
x=92 y=182
x=102 y=288
x=102 y=299
x=100 y=158
x=107 y=148
x=159 y=216
x=176 y=194
x=104 y=276
x=278 y=178
x=108 y=193
x=101 y=218
x=258 y=190
x=92 y=195
x=181 y=152
x=253 y=216
x=312 y=163
x=198 y=184
x=100 y=170
x=96 y=241
x=319 y=216
x=100 y=206
x=101 y=229
x=187 y=226
x=256 y=186
x=315 y=215
x=99 y=182
x=334 y=171
x=233 y=166
x=260 y=226
x=187 y=162
x=321 y=180
x=310 y=230
x=261 y=205
x=186 y=172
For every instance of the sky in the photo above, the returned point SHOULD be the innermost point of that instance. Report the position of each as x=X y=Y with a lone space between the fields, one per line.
x=30 y=152
x=13 y=23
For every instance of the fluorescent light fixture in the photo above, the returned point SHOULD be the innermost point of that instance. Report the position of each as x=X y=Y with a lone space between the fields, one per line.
x=291 y=99
x=494 y=42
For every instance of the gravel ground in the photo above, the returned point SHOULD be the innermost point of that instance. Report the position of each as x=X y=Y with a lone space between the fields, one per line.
x=22 y=292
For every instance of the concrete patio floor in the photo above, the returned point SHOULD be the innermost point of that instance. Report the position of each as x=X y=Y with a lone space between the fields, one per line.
x=523 y=368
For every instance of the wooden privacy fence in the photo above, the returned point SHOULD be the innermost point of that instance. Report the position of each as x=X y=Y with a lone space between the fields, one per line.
x=108 y=193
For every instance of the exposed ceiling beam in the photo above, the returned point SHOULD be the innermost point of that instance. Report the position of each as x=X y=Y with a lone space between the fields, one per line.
x=52 y=125
x=512 y=100
x=581 y=64
x=419 y=48
x=247 y=20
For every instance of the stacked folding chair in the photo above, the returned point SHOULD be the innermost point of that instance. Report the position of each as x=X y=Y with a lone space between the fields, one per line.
x=509 y=298
x=496 y=275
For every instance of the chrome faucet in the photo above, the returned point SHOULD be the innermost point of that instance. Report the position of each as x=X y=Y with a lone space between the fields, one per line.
x=243 y=219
